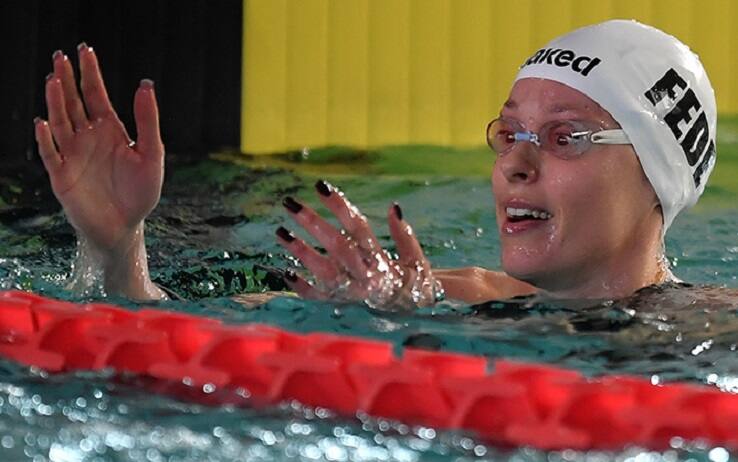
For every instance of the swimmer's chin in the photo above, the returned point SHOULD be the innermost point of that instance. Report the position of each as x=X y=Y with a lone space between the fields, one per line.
x=531 y=269
x=532 y=278
x=552 y=284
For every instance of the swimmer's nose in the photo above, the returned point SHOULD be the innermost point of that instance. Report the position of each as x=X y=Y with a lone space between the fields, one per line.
x=521 y=164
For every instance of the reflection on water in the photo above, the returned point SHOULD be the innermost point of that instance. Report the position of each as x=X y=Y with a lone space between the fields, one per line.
x=97 y=417
x=212 y=237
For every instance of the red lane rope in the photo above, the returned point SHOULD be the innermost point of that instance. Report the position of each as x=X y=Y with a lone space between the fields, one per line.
x=517 y=404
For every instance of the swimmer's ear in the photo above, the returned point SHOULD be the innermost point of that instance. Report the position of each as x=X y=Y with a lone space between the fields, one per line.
x=657 y=207
x=660 y=211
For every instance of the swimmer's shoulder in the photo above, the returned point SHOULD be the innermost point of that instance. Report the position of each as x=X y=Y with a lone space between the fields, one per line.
x=680 y=295
x=477 y=285
x=247 y=300
x=252 y=300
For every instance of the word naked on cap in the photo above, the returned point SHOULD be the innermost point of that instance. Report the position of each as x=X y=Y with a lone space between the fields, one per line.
x=564 y=58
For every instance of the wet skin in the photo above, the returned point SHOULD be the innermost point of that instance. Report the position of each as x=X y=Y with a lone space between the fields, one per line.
x=603 y=239
x=106 y=183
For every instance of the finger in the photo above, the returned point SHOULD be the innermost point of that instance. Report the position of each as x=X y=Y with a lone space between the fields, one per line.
x=73 y=103
x=408 y=247
x=303 y=288
x=352 y=220
x=147 y=119
x=93 y=88
x=46 y=149
x=60 y=125
x=321 y=267
x=335 y=243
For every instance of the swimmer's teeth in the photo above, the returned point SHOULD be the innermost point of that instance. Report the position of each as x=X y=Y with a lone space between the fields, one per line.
x=518 y=213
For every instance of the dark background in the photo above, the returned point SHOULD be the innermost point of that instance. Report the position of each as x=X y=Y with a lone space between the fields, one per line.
x=190 y=48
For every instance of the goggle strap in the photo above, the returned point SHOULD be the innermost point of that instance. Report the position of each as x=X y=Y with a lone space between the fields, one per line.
x=616 y=136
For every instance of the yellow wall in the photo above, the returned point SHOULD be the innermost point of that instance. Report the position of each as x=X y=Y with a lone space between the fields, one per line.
x=368 y=73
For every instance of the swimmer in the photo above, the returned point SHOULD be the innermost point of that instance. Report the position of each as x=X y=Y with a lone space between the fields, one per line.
x=607 y=134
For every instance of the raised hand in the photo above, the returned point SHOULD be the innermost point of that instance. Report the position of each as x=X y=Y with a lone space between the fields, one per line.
x=356 y=267
x=106 y=183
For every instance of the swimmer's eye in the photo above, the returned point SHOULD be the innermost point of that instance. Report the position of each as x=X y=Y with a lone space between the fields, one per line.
x=506 y=136
x=563 y=140
x=501 y=135
x=564 y=137
x=558 y=136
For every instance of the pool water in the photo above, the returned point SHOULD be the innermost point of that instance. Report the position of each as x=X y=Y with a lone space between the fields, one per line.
x=212 y=238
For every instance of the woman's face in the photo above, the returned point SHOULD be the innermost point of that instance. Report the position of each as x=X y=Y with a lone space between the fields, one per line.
x=597 y=205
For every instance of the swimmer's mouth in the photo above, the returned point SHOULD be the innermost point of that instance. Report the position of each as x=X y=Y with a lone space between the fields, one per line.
x=520 y=214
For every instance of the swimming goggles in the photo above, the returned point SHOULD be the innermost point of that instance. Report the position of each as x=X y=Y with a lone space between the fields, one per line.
x=566 y=139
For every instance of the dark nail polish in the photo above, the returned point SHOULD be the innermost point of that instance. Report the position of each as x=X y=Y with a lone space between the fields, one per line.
x=323 y=188
x=81 y=46
x=49 y=76
x=292 y=205
x=271 y=271
x=147 y=83
x=285 y=234
x=398 y=210
x=290 y=275
x=57 y=54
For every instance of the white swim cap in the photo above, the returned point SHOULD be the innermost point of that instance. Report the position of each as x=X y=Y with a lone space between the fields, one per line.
x=655 y=88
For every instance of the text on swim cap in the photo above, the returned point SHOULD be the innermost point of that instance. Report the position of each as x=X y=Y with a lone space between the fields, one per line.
x=674 y=90
x=564 y=58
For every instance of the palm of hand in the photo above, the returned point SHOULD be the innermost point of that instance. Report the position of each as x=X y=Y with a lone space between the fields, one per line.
x=106 y=186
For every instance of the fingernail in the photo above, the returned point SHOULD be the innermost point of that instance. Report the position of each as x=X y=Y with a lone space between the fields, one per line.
x=49 y=76
x=36 y=120
x=147 y=83
x=81 y=46
x=57 y=54
x=290 y=275
x=292 y=205
x=323 y=188
x=285 y=234
x=398 y=210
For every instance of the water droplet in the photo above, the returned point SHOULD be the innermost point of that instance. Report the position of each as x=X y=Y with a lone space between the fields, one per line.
x=718 y=455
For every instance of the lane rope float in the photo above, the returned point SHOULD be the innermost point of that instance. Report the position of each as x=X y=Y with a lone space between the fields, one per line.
x=515 y=404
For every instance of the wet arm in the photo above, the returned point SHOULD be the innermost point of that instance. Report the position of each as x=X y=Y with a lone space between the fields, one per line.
x=119 y=271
